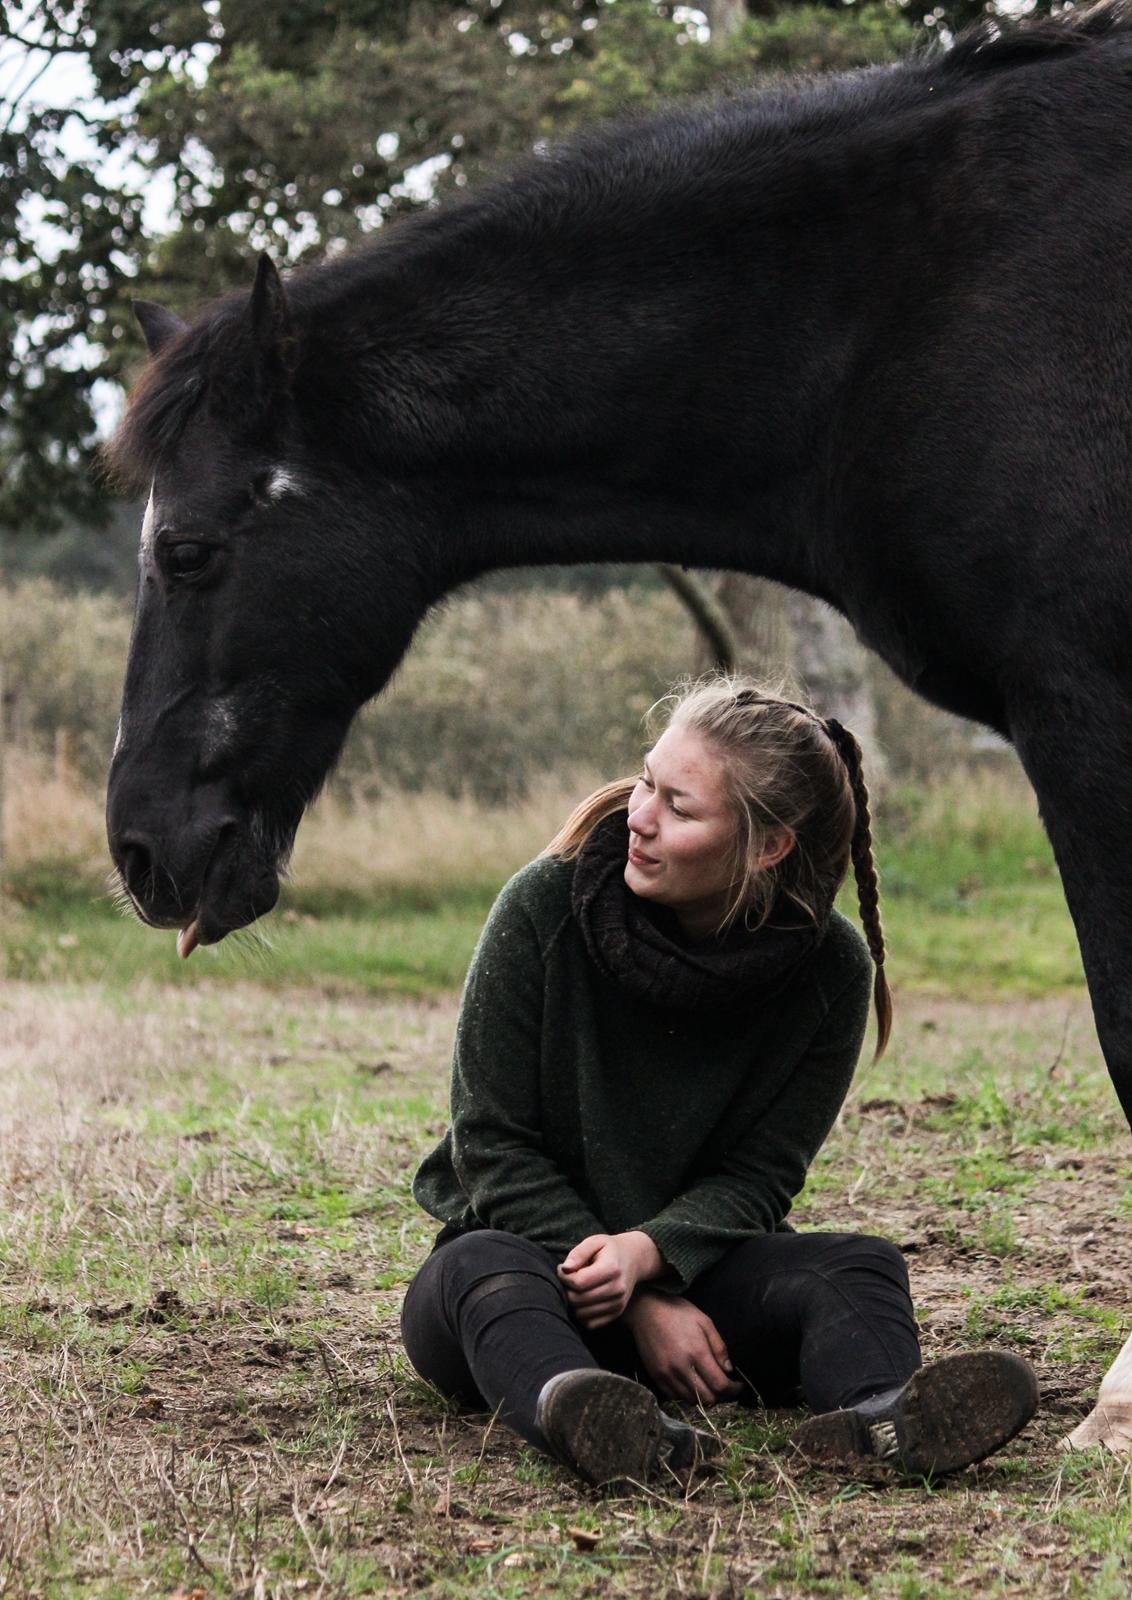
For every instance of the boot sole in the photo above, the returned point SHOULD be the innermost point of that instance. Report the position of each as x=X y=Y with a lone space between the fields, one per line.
x=949 y=1415
x=606 y=1427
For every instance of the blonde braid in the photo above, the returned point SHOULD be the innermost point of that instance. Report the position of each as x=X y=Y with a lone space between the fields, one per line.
x=865 y=873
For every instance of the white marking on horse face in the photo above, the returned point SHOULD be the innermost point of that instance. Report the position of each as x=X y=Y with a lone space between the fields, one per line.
x=281 y=481
x=148 y=529
x=220 y=728
x=119 y=739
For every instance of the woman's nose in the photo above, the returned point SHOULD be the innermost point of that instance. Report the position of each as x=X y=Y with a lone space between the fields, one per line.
x=641 y=820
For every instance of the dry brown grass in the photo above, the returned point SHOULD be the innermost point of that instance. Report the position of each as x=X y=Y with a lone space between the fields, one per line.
x=427 y=839
x=52 y=816
x=350 y=839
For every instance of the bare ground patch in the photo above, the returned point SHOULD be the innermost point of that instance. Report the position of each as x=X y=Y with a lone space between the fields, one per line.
x=206 y=1227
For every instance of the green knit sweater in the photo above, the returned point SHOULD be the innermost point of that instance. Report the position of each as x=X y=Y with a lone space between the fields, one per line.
x=578 y=1109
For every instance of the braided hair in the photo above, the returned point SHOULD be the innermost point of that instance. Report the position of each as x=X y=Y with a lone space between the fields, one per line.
x=865 y=873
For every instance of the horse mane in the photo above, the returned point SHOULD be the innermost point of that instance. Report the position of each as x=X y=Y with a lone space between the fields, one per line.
x=995 y=43
x=530 y=197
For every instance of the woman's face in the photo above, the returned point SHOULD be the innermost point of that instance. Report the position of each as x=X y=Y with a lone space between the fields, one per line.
x=682 y=831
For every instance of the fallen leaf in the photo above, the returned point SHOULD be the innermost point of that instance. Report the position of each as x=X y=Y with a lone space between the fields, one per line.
x=480 y=1547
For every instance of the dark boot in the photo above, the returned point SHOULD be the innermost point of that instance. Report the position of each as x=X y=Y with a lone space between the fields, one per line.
x=946 y=1416
x=609 y=1428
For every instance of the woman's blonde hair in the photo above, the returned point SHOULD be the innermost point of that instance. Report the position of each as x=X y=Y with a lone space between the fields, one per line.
x=785 y=768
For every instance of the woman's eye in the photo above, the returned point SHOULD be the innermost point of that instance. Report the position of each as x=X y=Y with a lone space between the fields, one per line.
x=185 y=558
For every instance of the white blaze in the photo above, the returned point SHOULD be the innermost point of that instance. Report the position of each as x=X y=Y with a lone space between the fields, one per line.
x=147 y=529
x=220 y=728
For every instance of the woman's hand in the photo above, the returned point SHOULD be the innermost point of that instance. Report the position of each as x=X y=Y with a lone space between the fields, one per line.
x=682 y=1350
x=601 y=1272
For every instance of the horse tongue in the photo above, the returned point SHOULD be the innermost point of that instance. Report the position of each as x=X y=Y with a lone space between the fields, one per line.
x=187 y=940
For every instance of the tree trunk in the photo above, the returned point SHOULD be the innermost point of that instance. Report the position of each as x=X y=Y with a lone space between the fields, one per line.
x=755 y=609
x=717 y=646
x=724 y=16
x=830 y=664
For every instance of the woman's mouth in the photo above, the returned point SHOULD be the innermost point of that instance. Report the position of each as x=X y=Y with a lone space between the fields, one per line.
x=638 y=860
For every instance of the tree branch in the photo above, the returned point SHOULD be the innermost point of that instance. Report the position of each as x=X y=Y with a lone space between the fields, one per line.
x=707 y=615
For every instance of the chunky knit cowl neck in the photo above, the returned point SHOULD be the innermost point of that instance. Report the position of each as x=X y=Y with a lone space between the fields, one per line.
x=642 y=948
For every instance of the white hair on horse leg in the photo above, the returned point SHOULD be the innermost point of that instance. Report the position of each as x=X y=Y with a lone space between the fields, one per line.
x=281 y=481
x=1110 y=1421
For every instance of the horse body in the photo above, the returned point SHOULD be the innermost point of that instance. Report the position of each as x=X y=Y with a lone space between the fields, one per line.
x=870 y=338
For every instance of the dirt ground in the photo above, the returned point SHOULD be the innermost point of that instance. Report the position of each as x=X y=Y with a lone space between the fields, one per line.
x=206 y=1231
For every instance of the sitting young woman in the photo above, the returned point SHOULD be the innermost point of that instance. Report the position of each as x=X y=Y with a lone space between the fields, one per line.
x=659 y=1027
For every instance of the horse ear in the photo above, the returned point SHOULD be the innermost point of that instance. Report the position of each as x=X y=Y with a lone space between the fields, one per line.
x=157 y=324
x=270 y=318
x=269 y=311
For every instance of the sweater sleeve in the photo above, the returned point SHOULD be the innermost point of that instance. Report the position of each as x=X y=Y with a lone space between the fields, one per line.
x=496 y=1136
x=765 y=1165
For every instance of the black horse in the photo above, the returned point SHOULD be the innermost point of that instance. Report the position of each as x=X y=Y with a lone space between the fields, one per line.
x=871 y=337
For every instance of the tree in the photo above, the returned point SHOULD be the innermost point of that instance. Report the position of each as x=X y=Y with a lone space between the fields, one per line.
x=69 y=235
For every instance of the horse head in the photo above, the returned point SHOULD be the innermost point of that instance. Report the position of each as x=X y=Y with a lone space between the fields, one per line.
x=274 y=597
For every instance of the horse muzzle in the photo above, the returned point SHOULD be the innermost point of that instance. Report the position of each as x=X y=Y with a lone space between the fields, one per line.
x=208 y=883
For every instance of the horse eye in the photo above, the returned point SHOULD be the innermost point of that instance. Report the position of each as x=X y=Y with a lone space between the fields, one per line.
x=185 y=558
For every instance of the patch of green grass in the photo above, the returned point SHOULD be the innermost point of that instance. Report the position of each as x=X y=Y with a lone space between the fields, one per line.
x=132 y=1376
x=1017 y=938
x=1060 y=1324
x=396 y=943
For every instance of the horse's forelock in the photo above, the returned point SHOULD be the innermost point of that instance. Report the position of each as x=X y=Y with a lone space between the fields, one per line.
x=211 y=363
x=169 y=391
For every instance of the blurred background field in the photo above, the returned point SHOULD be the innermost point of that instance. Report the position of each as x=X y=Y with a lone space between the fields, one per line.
x=460 y=774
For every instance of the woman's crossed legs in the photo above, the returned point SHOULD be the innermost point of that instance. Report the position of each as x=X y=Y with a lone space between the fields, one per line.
x=825 y=1318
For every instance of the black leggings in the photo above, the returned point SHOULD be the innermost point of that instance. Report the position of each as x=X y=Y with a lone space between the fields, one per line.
x=820 y=1317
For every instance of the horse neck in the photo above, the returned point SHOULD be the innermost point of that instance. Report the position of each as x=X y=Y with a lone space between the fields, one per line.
x=636 y=370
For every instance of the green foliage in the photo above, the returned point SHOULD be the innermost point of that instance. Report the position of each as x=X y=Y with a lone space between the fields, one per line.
x=70 y=234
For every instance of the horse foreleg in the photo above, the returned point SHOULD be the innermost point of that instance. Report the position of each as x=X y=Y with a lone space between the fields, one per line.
x=1079 y=759
x=1110 y=1421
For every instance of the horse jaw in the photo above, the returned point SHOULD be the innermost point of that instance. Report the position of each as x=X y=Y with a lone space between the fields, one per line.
x=1110 y=1421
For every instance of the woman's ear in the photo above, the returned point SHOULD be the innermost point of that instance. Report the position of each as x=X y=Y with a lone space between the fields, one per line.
x=778 y=846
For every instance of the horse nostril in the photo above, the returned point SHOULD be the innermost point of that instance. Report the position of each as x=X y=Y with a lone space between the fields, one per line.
x=135 y=862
